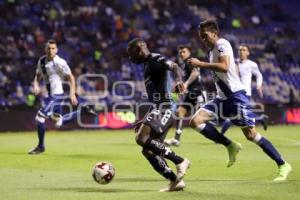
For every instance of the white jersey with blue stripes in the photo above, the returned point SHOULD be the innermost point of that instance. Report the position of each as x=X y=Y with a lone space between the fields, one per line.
x=247 y=68
x=229 y=82
x=53 y=72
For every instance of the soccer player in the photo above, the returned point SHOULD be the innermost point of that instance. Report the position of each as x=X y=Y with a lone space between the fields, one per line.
x=157 y=71
x=54 y=69
x=231 y=101
x=194 y=96
x=246 y=68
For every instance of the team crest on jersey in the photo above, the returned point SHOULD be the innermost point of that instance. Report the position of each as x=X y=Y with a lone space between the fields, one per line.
x=221 y=49
x=214 y=75
x=159 y=59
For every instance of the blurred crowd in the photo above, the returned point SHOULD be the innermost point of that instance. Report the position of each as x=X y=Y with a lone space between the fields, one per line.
x=92 y=36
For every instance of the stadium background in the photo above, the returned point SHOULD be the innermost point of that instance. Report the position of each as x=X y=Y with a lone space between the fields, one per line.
x=92 y=36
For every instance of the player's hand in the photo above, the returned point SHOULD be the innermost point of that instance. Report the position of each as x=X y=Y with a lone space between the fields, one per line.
x=185 y=86
x=195 y=62
x=260 y=91
x=73 y=99
x=36 y=89
x=180 y=88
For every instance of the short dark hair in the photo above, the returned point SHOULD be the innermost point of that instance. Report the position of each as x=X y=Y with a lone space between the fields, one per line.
x=184 y=46
x=245 y=45
x=51 y=42
x=210 y=25
x=135 y=41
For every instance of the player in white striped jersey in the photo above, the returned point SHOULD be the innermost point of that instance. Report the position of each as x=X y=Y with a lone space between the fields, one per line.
x=246 y=69
x=53 y=70
x=231 y=101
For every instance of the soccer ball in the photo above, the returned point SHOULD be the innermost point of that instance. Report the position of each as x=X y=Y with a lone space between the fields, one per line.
x=103 y=173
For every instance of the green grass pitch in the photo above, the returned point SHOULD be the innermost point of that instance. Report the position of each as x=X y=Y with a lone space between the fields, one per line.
x=63 y=172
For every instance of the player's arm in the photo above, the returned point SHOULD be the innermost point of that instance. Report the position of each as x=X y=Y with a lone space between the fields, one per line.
x=37 y=78
x=65 y=69
x=221 y=66
x=172 y=66
x=73 y=97
x=194 y=75
x=237 y=70
x=259 y=79
x=179 y=85
x=36 y=85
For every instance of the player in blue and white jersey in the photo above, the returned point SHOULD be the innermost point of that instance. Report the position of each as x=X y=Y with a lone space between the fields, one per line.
x=231 y=101
x=53 y=70
x=246 y=69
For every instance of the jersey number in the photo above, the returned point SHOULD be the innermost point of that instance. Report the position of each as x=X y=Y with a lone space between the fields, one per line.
x=166 y=117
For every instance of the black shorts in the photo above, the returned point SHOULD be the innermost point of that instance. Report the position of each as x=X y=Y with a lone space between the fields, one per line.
x=193 y=99
x=159 y=122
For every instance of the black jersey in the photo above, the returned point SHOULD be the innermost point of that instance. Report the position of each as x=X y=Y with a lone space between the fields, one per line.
x=196 y=84
x=158 y=79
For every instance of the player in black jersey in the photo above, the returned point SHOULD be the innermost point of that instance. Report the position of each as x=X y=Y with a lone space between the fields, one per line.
x=194 y=97
x=157 y=71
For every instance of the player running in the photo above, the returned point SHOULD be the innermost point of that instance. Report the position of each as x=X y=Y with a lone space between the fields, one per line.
x=53 y=69
x=246 y=68
x=194 y=97
x=157 y=71
x=231 y=101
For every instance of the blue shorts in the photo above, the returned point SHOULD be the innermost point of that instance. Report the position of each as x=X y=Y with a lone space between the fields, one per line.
x=236 y=108
x=52 y=105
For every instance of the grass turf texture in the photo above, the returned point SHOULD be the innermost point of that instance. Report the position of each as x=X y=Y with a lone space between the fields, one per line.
x=64 y=170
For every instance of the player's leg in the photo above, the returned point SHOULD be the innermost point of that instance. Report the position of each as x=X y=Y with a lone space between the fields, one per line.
x=49 y=105
x=263 y=120
x=260 y=117
x=154 y=151
x=66 y=118
x=178 y=130
x=159 y=164
x=40 y=124
x=199 y=123
x=156 y=124
x=69 y=117
x=44 y=113
x=226 y=125
x=143 y=138
x=181 y=113
x=284 y=168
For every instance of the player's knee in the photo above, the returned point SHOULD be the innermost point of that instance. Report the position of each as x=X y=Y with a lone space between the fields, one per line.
x=250 y=137
x=143 y=135
x=181 y=112
x=250 y=134
x=146 y=152
x=141 y=139
x=40 y=119
x=195 y=122
x=138 y=140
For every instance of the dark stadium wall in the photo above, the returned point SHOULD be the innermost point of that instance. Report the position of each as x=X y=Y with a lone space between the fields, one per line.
x=23 y=119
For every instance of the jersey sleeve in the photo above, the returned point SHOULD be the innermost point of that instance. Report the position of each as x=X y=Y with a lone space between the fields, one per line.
x=64 y=67
x=163 y=61
x=255 y=71
x=223 y=49
x=38 y=67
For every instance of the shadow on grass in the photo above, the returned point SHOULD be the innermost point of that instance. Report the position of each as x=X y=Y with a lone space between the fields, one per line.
x=139 y=179
x=245 y=182
x=97 y=189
